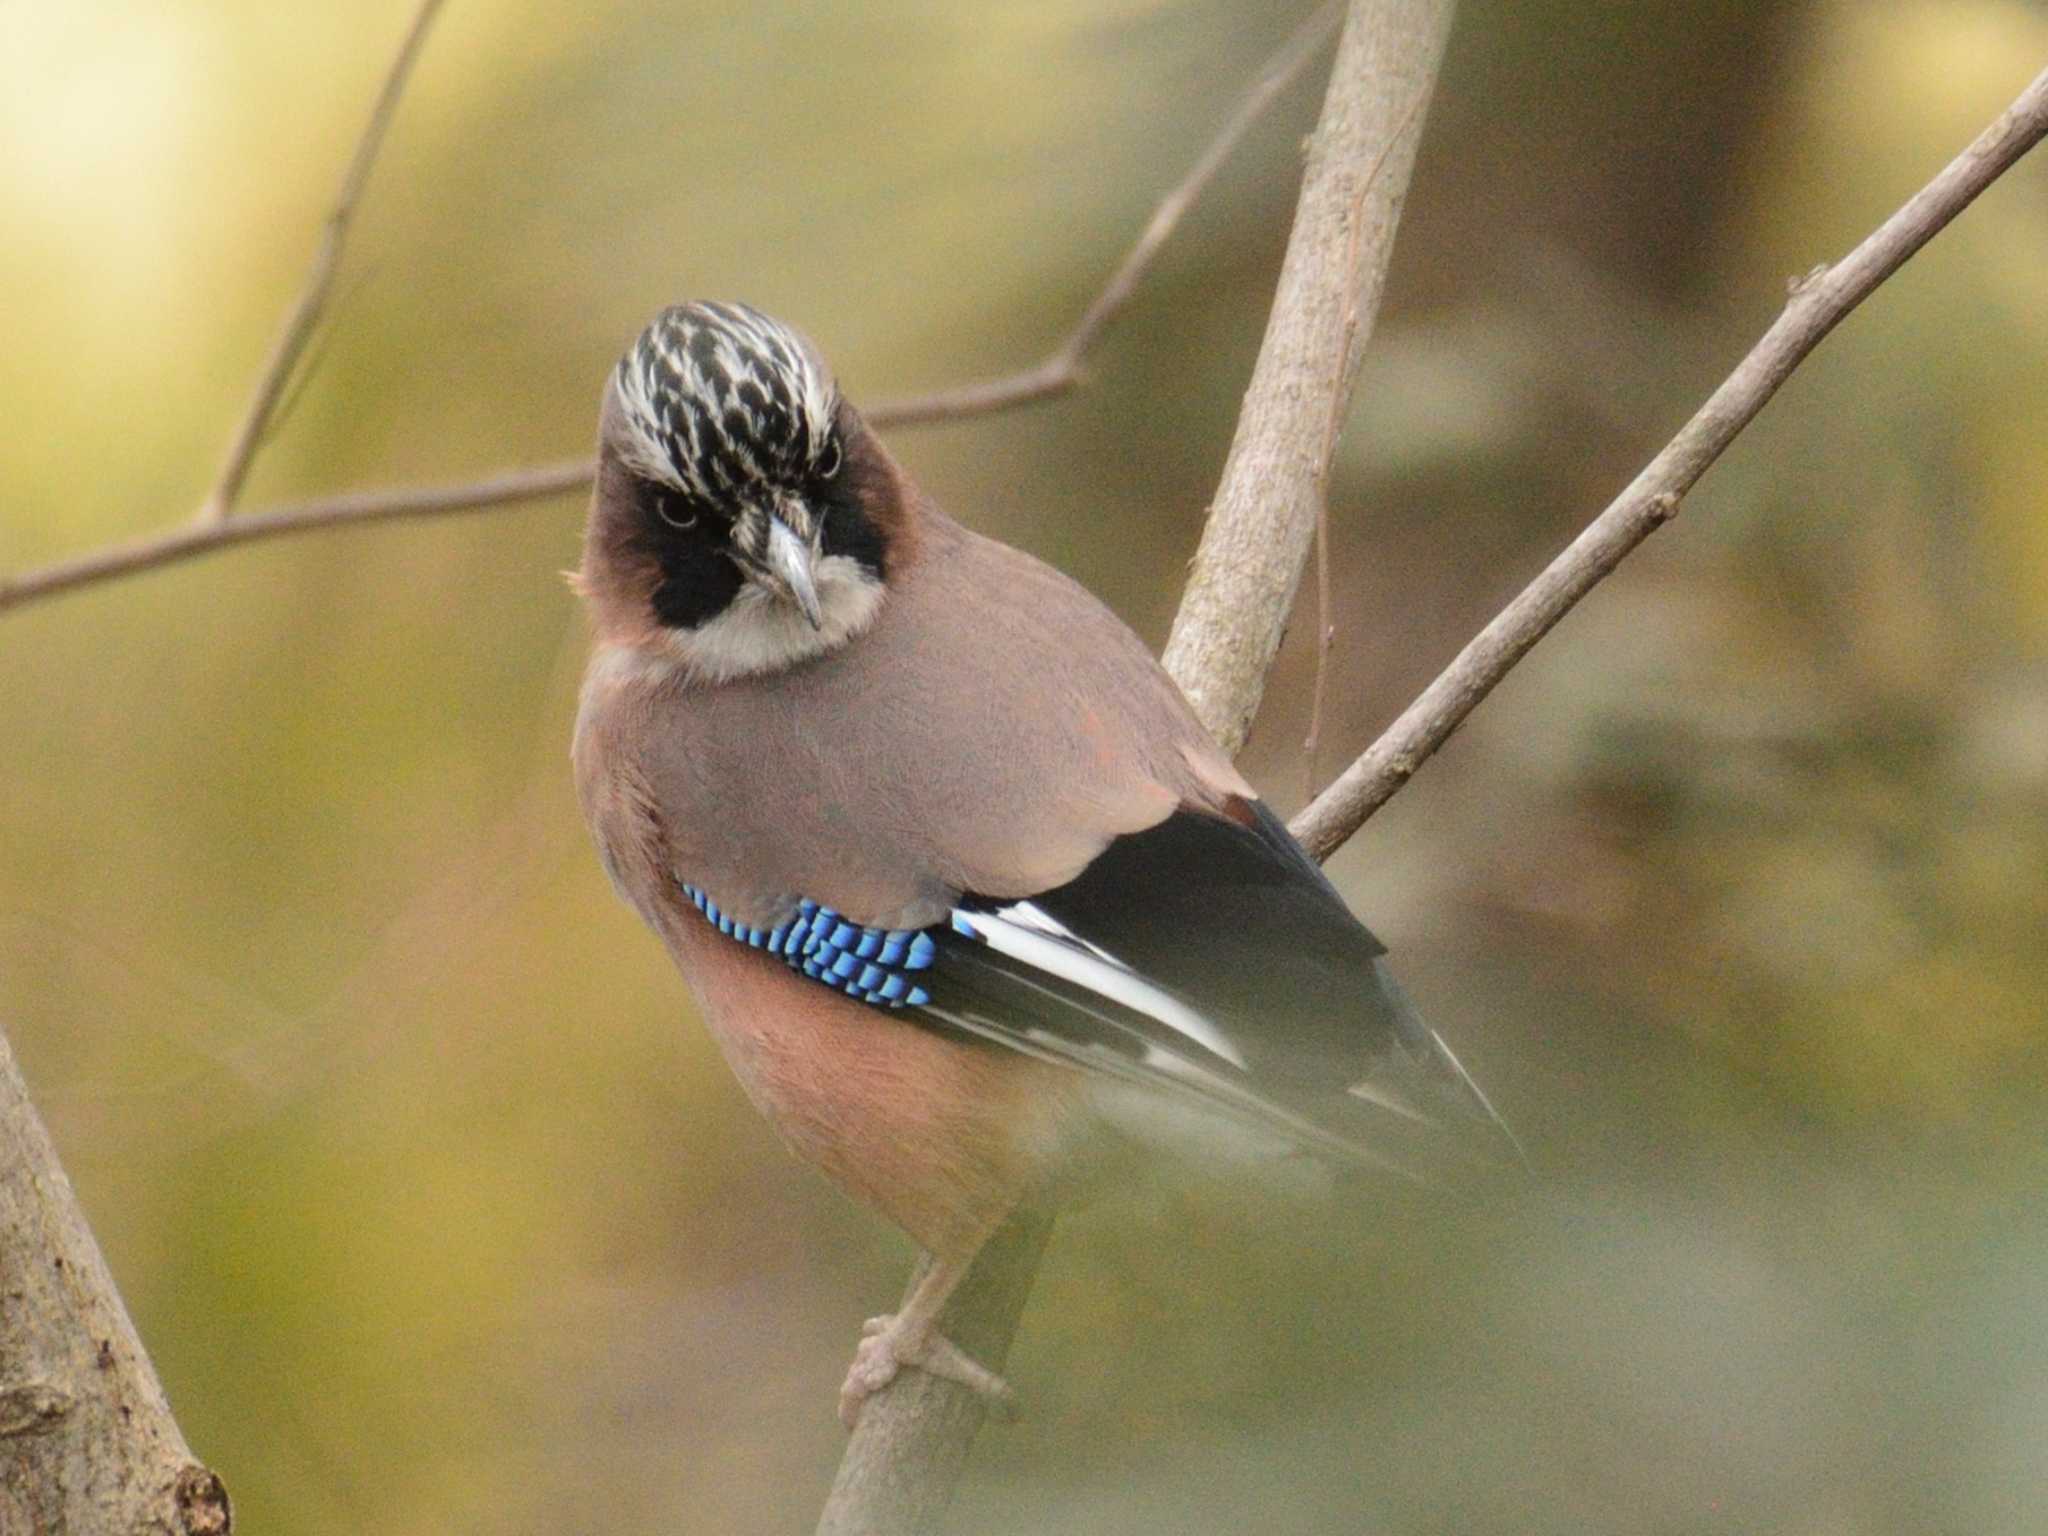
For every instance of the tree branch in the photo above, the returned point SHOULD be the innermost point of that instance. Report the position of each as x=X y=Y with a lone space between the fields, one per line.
x=89 y=1441
x=907 y=1453
x=1059 y=372
x=290 y=345
x=350 y=507
x=1819 y=301
x=906 y=1456
x=1264 y=516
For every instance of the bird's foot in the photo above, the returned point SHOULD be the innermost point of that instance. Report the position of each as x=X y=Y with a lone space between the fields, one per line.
x=890 y=1343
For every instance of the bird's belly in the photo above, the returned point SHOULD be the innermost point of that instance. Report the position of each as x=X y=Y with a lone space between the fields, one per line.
x=943 y=1136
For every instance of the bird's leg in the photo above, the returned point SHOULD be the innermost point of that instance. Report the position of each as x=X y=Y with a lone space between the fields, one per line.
x=910 y=1336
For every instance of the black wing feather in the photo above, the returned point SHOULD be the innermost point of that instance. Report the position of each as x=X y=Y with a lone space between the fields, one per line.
x=981 y=993
x=1231 y=918
x=1238 y=921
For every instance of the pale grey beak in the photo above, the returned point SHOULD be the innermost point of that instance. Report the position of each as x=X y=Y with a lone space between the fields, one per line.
x=789 y=561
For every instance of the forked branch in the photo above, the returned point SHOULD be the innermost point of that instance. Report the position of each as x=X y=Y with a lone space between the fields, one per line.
x=304 y=318
x=212 y=530
x=1264 y=517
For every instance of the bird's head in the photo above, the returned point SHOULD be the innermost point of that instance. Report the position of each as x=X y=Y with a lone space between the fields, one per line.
x=741 y=507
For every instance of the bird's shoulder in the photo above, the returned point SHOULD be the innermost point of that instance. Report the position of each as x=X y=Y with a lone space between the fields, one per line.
x=1012 y=655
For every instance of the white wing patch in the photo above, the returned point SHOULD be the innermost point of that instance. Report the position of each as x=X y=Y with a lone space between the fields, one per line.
x=1030 y=934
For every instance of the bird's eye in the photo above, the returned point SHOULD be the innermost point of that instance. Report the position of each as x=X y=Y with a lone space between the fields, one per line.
x=673 y=511
x=829 y=460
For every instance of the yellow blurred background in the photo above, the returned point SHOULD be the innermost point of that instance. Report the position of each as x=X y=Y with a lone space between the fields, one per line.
x=436 y=1207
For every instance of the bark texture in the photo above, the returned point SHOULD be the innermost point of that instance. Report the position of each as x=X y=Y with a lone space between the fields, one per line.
x=1264 y=517
x=87 y=1443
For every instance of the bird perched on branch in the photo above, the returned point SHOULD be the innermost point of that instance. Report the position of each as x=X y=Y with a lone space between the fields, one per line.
x=965 y=891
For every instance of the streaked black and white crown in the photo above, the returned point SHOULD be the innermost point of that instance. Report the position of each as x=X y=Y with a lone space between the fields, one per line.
x=723 y=402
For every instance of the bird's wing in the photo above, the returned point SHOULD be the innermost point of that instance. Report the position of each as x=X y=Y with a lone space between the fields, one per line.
x=1210 y=954
x=995 y=810
x=1206 y=956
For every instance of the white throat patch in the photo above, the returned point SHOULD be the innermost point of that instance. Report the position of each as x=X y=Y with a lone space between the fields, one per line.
x=761 y=633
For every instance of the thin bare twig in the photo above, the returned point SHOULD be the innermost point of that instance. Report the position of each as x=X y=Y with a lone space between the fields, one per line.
x=1340 y=401
x=1061 y=370
x=1818 y=302
x=350 y=507
x=291 y=341
x=1326 y=637
x=1058 y=373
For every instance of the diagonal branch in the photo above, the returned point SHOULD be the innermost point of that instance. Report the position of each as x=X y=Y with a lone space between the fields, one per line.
x=194 y=539
x=291 y=341
x=1061 y=370
x=1819 y=301
x=1058 y=373
x=89 y=1439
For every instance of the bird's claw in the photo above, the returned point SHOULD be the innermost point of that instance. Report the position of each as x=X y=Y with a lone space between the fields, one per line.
x=887 y=1346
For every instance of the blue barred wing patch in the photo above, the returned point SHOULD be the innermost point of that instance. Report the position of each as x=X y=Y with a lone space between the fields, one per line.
x=873 y=965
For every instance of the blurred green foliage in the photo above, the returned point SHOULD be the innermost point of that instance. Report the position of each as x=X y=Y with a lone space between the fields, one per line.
x=439 y=1212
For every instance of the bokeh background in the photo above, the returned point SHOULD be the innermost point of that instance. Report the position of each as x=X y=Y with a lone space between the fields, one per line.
x=434 y=1203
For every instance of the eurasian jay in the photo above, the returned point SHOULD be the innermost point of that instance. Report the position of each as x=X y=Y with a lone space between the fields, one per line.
x=967 y=895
